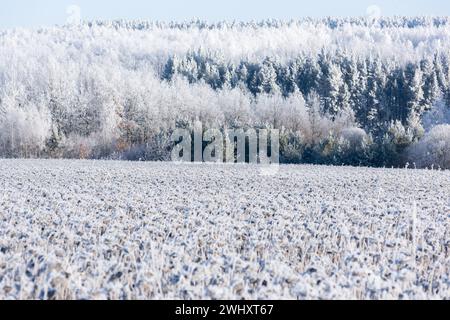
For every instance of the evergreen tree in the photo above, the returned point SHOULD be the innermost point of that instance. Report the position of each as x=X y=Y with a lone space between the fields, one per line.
x=414 y=90
x=431 y=88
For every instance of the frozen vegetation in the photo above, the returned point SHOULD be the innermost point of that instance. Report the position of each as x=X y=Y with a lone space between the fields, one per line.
x=121 y=230
x=118 y=89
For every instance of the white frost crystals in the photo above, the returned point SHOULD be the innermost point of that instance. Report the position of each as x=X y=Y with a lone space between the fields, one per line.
x=127 y=230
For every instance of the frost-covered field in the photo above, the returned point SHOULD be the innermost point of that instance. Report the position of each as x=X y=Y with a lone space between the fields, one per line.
x=81 y=229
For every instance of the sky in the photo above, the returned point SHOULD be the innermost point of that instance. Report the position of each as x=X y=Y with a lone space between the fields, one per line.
x=38 y=13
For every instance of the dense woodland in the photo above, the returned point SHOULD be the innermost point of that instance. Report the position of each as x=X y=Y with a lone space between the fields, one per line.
x=341 y=91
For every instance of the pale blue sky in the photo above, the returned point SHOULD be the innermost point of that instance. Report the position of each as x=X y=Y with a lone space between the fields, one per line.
x=34 y=13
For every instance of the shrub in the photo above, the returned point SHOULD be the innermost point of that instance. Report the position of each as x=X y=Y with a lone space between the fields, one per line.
x=433 y=149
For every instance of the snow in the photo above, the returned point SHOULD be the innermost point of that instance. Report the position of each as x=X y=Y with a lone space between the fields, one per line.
x=118 y=89
x=135 y=230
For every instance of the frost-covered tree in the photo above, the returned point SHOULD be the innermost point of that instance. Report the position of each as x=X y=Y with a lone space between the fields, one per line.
x=437 y=115
x=265 y=80
x=433 y=149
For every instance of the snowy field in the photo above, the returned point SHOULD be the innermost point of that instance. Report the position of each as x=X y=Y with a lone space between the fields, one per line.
x=119 y=230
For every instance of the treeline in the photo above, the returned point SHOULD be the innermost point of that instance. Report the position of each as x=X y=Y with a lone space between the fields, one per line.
x=385 y=99
x=118 y=90
x=329 y=22
x=377 y=91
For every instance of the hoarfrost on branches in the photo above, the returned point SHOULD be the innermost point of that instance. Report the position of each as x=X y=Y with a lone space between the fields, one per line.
x=142 y=230
x=118 y=89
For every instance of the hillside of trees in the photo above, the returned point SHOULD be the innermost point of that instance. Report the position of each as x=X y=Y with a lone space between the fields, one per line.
x=341 y=91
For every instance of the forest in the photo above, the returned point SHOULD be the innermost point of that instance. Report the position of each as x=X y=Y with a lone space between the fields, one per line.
x=342 y=91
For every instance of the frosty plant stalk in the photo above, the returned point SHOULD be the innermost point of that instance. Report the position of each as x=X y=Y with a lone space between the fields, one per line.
x=254 y=146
